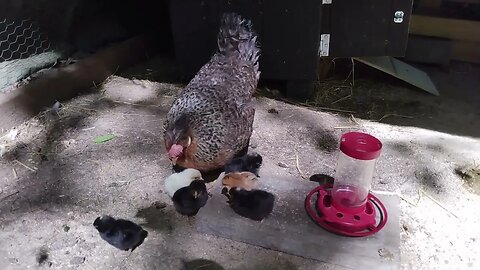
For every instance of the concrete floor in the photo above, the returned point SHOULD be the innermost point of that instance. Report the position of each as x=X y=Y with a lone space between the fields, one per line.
x=54 y=181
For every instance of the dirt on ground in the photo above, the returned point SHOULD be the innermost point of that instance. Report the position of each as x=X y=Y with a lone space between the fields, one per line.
x=55 y=179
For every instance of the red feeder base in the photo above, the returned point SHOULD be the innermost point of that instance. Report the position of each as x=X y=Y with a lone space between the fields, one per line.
x=355 y=222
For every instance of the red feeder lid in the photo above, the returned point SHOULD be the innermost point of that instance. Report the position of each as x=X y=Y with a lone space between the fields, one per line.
x=360 y=145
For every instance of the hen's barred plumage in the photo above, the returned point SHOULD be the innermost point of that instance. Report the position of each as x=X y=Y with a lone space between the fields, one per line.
x=216 y=108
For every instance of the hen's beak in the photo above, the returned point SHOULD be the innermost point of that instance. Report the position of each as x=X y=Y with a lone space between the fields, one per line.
x=173 y=160
x=195 y=194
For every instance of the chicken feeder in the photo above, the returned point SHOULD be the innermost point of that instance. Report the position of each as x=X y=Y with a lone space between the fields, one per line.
x=347 y=207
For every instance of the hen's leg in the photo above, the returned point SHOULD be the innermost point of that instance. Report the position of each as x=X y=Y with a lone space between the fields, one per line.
x=210 y=176
x=177 y=169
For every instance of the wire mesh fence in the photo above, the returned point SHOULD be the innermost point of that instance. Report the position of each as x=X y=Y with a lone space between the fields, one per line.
x=39 y=34
x=24 y=49
x=32 y=34
x=21 y=39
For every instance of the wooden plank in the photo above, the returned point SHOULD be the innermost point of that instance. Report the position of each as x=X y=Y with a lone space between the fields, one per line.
x=465 y=1
x=466 y=51
x=64 y=83
x=429 y=3
x=290 y=230
x=445 y=28
x=428 y=50
x=402 y=71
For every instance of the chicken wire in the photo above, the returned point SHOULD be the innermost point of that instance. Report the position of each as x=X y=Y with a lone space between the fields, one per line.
x=21 y=39
x=37 y=34
x=24 y=49
x=40 y=34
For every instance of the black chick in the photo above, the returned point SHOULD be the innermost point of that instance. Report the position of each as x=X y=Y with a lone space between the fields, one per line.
x=247 y=163
x=120 y=233
x=188 y=200
x=322 y=179
x=254 y=204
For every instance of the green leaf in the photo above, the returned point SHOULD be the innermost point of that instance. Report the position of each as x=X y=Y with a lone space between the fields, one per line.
x=103 y=138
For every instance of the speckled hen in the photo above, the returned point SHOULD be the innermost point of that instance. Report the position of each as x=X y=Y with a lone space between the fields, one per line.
x=211 y=121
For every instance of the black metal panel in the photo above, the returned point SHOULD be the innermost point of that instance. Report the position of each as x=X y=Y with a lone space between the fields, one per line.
x=291 y=39
x=288 y=34
x=366 y=27
x=193 y=38
x=76 y=23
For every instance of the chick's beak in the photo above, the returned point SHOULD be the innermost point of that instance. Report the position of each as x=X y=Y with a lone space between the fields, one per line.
x=195 y=194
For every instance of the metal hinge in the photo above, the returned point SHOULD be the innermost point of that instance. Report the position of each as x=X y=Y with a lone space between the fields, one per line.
x=324 y=45
x=326 y=2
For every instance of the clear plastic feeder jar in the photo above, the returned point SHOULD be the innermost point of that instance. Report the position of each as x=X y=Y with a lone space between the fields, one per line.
x=354 y=170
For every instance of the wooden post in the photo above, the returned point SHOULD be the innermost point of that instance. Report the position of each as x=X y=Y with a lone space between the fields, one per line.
x=66 y=82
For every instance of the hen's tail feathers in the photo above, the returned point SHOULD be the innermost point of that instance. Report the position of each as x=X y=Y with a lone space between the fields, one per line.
x=237 y=38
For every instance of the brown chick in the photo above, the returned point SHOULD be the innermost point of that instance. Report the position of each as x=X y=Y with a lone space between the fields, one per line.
x=244 y=180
